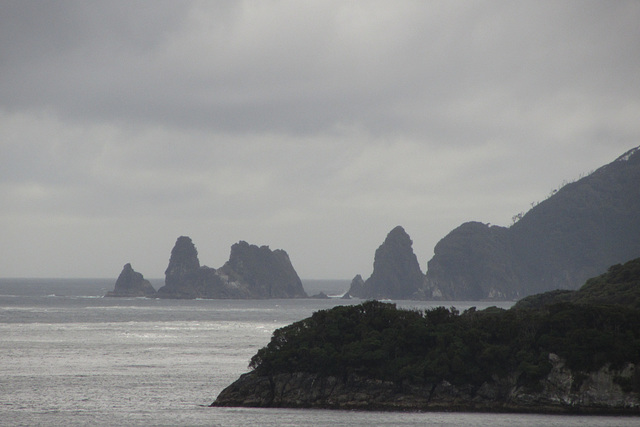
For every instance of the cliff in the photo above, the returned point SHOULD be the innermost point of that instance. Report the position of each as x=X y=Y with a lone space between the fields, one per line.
x=131 y=284
x=356 y=287
x=561 y=391
x=473 y=262
x=265 y=273
x=184 y=266
x=576 y=233
x=396 y=272
x=564 y=351
x=251 y=272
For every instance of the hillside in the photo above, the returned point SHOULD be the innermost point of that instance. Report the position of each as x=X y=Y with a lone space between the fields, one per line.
x=549 y=355
x=620 y=285
x=575 y=234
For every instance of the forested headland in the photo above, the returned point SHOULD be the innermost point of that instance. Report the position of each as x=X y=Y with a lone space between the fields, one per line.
x=484 y=359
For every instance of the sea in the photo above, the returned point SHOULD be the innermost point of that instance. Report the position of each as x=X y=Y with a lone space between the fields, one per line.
x=69 y=357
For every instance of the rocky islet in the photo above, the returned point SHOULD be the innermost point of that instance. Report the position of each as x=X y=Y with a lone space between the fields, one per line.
x=252 y=271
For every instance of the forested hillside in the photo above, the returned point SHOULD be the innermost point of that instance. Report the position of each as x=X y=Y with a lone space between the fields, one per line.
x=515 y=352
x=575 y=234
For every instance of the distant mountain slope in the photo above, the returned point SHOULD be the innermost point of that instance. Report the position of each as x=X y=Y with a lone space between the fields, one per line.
x=573 y=235
x=620 y=285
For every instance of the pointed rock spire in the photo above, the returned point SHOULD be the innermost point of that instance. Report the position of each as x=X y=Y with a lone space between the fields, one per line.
x=183 y=262
x=396 y=272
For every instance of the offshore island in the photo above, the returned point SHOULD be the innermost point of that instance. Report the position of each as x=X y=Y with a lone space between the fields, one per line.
x=556 y=352
x=252 y=271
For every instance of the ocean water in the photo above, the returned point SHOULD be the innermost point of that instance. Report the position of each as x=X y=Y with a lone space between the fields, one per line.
x=70 y=357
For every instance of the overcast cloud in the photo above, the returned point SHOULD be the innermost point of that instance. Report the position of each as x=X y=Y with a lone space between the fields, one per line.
x=314 y=127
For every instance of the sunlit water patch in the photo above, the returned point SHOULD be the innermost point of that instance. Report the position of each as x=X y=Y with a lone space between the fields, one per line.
x=71 y=360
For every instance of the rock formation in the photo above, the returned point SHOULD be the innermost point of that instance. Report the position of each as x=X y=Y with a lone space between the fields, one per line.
x=356 y=287
x=183 y=263
x=476 y=258
x=184 y=278
x=320 y=295
x=251 y=272
x=561 y=391
x=131 y=284
x=266 y=273
x=575 y=234
x=396 y=272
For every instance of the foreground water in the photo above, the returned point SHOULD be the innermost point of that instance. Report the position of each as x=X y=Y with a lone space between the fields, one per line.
x=69 y=357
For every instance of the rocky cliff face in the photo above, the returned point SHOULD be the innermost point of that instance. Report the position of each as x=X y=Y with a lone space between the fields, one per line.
x=575 y=234
x=251 y=272
x=131 y=284
x=396 y=272
x=473 y=262
x=184 y=278
x=356 y=287
x=561 y=391
x=183 y=263
x=266 y=273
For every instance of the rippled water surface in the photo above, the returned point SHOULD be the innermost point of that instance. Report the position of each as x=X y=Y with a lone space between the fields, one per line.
x=70 y=357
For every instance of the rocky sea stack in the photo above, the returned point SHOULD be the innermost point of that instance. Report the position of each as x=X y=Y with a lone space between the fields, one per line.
x=396 y=272
x=131 y=284
x=183 y=263
x=251 y=272
x=266 y=273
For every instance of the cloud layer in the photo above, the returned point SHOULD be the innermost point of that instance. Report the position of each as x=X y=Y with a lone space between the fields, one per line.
x=314 y=127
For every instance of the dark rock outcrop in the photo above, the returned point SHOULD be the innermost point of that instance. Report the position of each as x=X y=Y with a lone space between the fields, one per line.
x=266 y=273
x=251 y=272
x=396 y=272
x=575 y=234
x=131 y=284
x=561 y=391
x=184 y=277
x=473 y=262
x=320 y=295
x=183 y=263
x=356 y=288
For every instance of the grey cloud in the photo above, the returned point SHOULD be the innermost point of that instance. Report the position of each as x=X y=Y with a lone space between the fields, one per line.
x=302 y=125
x=297 y=69
x=42 y=31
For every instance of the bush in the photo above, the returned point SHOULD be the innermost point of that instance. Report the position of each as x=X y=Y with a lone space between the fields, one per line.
x=380 y=341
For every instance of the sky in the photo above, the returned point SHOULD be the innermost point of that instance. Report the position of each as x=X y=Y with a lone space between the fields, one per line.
x=310 y=126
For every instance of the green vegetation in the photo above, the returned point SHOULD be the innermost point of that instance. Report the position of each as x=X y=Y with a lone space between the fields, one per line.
x=620 y=285
x=378 y=340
